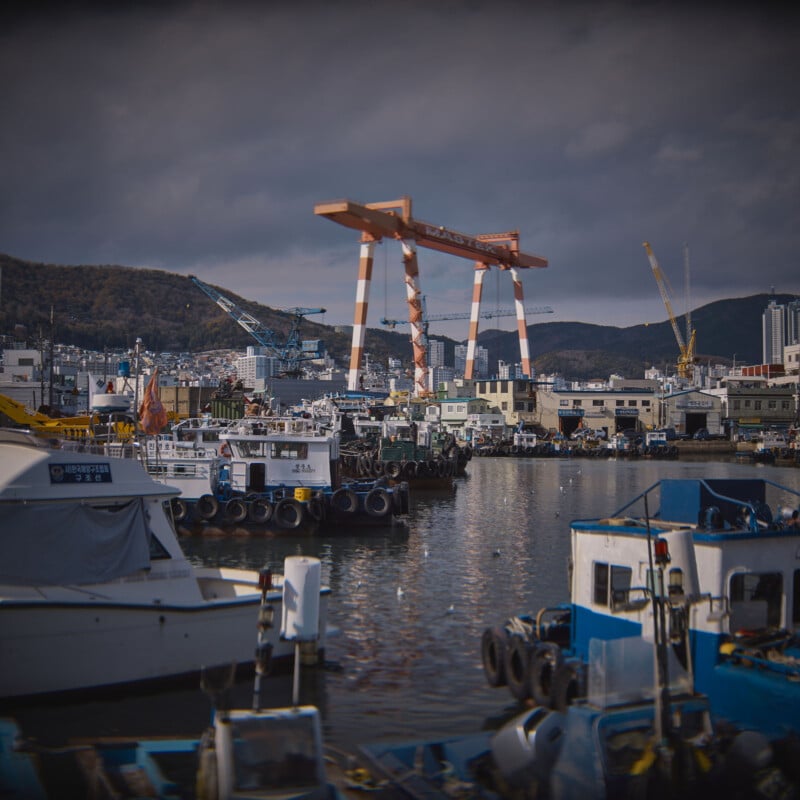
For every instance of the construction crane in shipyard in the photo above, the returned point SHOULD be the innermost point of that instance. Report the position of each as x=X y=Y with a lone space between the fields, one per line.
x=393 y=220
x=428 y=318
x=686 y=357
x=289 y=353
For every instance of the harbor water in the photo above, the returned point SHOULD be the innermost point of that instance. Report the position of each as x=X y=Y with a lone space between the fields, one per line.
x=408 y=606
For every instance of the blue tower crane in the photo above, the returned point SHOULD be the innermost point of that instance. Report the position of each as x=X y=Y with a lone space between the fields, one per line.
x=289 y=353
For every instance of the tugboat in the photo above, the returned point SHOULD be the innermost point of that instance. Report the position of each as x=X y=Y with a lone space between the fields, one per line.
x=283 y=476
x=731 y=597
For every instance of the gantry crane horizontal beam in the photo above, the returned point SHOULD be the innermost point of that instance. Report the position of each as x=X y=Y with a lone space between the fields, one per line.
x=376 y=223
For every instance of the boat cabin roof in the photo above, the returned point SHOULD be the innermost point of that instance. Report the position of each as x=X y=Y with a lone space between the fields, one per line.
x=33 y=471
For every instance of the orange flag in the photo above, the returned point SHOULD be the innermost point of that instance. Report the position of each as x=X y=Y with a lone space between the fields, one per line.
x=152 y=414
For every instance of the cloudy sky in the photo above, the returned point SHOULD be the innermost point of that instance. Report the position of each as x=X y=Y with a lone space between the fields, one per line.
x=198 y=137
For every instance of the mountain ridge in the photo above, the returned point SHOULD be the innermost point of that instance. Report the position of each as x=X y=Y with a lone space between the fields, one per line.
x=108 y=306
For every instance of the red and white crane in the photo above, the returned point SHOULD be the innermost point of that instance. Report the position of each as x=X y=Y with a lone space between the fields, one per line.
x=393 y=220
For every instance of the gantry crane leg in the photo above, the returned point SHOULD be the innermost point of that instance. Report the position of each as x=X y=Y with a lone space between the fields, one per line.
x=360 y=318
x=415 y=318
x=522 y=325
x=475 y=312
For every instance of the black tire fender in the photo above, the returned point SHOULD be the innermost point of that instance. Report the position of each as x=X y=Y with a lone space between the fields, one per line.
x=207 y=507
x=378 y=502
x=260 y=511
x=236 y=510
x=288 y=513
x=517 y=667
x=410 y=469
x=345 y=500
x=493 y=655
x=545 y=660
x=393 y=469
x=565 y=686
x=180 y=511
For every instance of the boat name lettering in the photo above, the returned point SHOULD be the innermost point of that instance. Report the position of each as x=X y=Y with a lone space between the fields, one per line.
x=80 y=473
x=304 y=468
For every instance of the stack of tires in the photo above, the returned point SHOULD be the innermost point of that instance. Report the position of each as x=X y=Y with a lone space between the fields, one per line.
x=532 y=669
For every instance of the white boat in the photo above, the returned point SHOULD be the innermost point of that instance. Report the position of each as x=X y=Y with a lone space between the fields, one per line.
x=110 y=403
x=284 y=475
x=190 y=457
x=94 y=588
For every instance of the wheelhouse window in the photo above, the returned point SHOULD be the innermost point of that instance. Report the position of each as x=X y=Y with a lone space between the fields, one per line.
x=611 y=581
x=756 y=599
x=297 y=451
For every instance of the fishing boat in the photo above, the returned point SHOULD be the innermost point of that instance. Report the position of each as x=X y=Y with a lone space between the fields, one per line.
x=731 y=593
x=283 y=475
x=95 y=590
x=251 y=752
x=190 y=457
x=400 y=449
x=614 y=744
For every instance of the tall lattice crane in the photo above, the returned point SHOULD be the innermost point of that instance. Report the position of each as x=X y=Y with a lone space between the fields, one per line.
x=428 y=318
x=686 y=357
x=289 y=352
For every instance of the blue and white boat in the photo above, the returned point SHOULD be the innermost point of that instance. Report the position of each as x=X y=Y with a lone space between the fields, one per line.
x=283 y=474
x=731 y=592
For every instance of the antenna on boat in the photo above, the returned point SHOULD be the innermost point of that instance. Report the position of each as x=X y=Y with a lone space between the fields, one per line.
x=657 y=552
x=266 y=616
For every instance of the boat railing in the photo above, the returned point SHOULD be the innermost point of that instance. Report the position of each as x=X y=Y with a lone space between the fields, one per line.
x=555 y=615
x=750 y=515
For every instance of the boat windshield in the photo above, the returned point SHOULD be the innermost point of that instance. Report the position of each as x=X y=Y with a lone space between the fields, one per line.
x=278 y=757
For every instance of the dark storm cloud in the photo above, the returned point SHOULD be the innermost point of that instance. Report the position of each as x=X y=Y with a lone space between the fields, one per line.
x=198 y=137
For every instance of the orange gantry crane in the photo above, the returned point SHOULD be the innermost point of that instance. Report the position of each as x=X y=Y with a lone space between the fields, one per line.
x=393 y=220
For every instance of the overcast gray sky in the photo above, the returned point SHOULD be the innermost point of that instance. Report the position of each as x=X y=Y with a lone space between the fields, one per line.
x=198 y=137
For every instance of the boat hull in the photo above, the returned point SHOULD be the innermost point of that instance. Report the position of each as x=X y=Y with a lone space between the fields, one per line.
x=96 y=644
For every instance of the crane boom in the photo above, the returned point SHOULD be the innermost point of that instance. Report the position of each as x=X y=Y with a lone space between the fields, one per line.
x=686 y=357
x=291 y=352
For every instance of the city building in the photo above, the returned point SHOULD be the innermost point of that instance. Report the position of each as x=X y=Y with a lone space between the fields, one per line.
x=481 y=361
x=611 y=410
x=435 y=353
x=773 y=324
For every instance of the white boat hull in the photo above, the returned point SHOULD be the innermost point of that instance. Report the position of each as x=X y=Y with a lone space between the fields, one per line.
x=50 y=647
x=95 y=590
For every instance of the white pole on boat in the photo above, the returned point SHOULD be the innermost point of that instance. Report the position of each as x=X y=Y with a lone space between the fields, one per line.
x=300 y=609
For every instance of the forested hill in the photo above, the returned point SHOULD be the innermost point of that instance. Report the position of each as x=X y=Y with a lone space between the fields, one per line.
x=101 y=307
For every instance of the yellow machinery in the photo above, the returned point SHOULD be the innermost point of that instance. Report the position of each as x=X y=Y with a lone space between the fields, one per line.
x=84 y=428
x=686 y=359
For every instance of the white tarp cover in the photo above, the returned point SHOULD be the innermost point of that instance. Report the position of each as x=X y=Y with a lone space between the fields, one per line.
x=52 y=544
